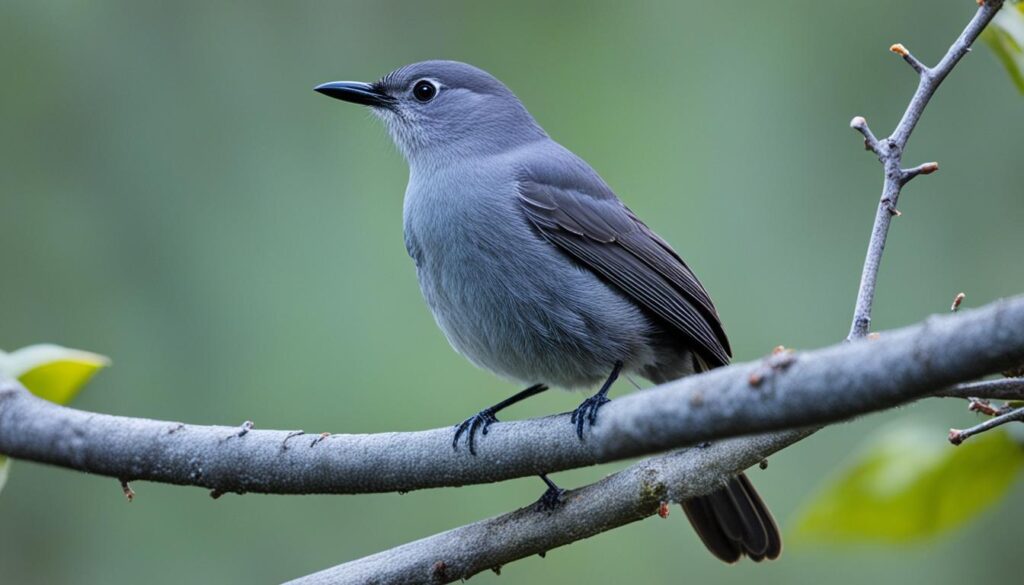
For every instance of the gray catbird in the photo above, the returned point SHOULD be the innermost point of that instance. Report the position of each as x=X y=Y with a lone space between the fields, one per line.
x=536 y=271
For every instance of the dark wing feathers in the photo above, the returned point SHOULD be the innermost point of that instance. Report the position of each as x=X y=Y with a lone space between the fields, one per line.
x=594 y=227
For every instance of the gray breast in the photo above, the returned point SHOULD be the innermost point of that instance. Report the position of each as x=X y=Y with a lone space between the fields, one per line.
x=507 y=299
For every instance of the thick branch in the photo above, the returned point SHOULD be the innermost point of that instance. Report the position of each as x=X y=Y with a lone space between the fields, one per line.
x=890 y=153
x=630 y=495
x=782 y=391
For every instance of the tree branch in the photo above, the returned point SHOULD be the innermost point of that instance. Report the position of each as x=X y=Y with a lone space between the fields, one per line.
x=890 y=154
x=1003 y=389
x=781 y=391
x=630 y=495
x=957 y=436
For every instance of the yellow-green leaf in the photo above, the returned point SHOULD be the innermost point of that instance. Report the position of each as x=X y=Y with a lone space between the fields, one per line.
x=1005 y=36
x=910 y=485
x=50 y=371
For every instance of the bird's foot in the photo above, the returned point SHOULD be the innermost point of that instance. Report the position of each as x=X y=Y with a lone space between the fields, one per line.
x=551 y=498
x=478 y=422
x=586 y=413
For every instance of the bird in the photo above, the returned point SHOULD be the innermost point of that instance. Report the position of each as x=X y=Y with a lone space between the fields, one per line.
x=535 y=270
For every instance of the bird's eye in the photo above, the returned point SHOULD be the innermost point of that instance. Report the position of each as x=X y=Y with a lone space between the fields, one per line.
x=424 y=90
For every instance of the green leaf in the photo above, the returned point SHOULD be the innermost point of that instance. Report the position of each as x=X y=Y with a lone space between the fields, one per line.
x=1005 y=36
x=910 y=485
x=50 y=371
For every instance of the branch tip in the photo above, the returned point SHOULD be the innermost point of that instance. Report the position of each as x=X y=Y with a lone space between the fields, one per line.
x=958 y=436
x=129 y=493
x=859 y=124
x=902 y=51
x=985 y=407
x=926 y=169
x=957 y=300
x=319 y=438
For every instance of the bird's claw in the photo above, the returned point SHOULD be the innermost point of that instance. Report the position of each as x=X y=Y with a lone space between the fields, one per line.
x=587 y=412
x=551 y=499
x=478 y=422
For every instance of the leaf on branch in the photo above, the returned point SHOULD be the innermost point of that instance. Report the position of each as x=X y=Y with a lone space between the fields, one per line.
x=49 y=371
x=1005 y=36
x=909 y=485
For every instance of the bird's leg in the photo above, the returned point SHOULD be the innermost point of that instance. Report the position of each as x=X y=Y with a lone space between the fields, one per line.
x=483 y=419
x=551 y=498
x=587 y=411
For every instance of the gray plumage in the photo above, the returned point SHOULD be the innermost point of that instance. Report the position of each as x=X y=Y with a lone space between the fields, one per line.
x=536 y=271
x=530 y=264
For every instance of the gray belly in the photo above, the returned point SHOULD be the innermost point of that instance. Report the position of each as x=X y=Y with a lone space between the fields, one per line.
x=528 y=313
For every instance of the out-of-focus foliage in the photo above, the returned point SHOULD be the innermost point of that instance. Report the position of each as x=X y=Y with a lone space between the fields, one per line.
x=1005 y=36
x=909 y=485
x=49 y=371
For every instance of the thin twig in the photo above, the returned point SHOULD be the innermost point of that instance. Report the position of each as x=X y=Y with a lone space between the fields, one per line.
x=1001 y=389
x=129 y=493
x=926 y=169
x=957 y=436
x=902 y=51
x=859 y=124
x=890 y=153
x=975 y=404
x=957 y=301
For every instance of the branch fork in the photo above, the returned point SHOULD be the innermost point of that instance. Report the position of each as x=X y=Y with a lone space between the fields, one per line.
x=890 y=154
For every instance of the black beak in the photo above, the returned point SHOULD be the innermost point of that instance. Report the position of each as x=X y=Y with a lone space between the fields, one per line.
x=356 y=92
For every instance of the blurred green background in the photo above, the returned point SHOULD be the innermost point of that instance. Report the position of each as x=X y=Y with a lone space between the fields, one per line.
x=174 y=195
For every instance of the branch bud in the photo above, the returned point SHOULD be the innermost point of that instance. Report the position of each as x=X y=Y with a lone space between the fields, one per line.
x=899 y=49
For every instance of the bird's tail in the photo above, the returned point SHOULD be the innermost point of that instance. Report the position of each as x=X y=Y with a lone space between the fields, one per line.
x=734 y=521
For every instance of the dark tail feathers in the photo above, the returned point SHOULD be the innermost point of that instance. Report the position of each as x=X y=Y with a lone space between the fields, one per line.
x=734 y=522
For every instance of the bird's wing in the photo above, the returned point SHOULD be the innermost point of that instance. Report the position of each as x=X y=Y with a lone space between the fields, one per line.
x=573 y=209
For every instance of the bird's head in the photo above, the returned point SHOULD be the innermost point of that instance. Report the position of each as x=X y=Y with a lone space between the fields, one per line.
x=436 y=110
